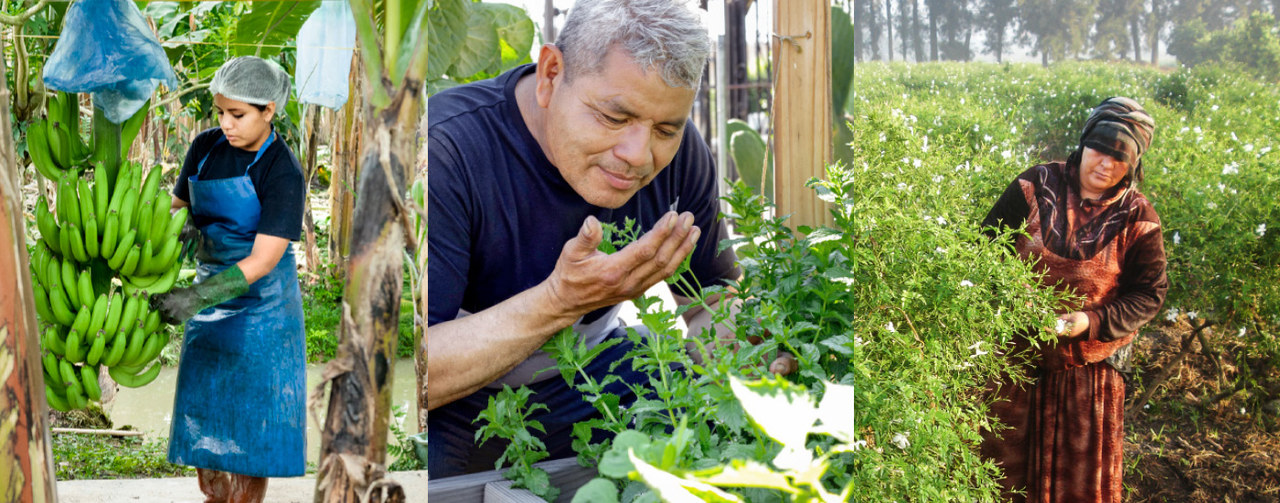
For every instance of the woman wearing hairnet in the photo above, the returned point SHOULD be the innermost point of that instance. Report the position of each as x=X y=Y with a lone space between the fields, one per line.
x=238 y=413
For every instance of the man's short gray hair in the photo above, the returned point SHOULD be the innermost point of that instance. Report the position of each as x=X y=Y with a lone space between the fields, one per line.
x=663 y=35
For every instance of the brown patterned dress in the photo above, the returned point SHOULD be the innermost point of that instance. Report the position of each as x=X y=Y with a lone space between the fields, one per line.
x=1066 y=431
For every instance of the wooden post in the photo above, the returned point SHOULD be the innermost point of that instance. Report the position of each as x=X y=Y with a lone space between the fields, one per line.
x=26 y=456
x=802 y=106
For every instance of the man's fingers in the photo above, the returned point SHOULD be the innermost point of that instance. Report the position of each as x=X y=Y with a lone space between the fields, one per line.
x=587 y=240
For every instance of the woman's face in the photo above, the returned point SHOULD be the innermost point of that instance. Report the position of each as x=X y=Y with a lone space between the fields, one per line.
x=244 y=125
x=1099 y=172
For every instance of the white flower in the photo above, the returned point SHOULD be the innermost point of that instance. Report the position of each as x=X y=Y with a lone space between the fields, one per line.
x=1230 y=169
x=1242 y=410
x=1212 y=205
x=889 y=327
x=1214 y=108
x=943 y=221
x=966 y=283
x=975 y=126
x=1222 y=187
x=883 y=138
x=1248 y=147
x=1233 y=136
x=1013 y=130
x=1241 y=333
x=1006 y=154
x=858 y=342
x=938 y=178
x=939 y=250
x=1146 y=406
x=986 y=138
x=1060 y=326
x=900 y=440
x=916 y=163
x=925 y=147
x=1172 y=315
x=902 y=186
x=1191 y=315
x=1261 y=230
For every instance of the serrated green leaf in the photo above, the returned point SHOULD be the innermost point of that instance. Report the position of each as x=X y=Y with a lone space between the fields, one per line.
x=269 y=24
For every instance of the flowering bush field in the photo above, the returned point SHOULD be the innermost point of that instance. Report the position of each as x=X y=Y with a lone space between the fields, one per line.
x=1212 y=173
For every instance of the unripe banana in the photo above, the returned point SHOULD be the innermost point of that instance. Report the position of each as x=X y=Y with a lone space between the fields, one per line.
x=131 y=261
x=122 y=249
x=58 y=303
x=115 y=309
x=110 y=233
x=124 y=179
x=64 y=242
x=51 y=372
x=48 y=225
x=144 y=220
x=68 y=207
x=129 y=210
x=70 y=282
x=41 y=156
x=162 y=284
x=136 y=341
x=76 y=238
x=153 y=322
x=56 y=401
x=166 y=256
x=144 y=259
x=75 y=396
x=100 y=199
x=95 y=350
x=84 y=197
x=176 y=222
x=59 y=142
x=53 y=342
x=129 y=318
x=74 y=351
x=91 y=241
x=89 y=378
x=116 y=353
x=98 y=316
x=159 y=221
x=85 y=284
x=42 y=304
x=134 y=381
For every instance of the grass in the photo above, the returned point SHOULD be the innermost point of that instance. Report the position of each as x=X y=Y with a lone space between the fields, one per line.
x=102 y=457
x=322 y=310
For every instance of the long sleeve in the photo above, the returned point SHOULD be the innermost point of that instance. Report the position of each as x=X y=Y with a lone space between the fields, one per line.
x=1143 y=285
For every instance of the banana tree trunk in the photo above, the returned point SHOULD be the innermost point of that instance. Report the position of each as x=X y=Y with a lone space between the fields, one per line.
x=353 y=442
x=26 y=459
x=345 y=159
x=308 y=222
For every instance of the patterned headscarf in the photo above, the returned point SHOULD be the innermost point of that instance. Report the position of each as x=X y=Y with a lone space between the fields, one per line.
x=1121 y=128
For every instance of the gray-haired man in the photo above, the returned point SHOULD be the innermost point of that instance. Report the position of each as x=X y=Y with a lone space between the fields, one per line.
x=523 y=168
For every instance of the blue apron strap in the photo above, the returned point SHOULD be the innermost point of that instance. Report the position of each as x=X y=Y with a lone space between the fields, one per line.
x=200 y=167
x=260 y=150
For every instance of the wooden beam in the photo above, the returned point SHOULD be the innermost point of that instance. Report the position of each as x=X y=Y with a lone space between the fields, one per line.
x=802 y=106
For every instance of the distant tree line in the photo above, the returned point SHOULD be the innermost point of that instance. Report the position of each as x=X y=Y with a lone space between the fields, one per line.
x=933 y=30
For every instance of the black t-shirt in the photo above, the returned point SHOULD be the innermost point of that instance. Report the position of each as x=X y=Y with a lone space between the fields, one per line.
x=277 y=178
x=500 y=212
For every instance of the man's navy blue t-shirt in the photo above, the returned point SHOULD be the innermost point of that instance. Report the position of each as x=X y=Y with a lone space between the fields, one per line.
x=499 y=212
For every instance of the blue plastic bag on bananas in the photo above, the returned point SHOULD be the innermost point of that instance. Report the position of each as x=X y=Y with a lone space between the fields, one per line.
x=107 y=49
x=325 y=42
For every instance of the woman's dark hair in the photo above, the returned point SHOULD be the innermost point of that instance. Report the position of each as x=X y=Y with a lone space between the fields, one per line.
x=261 y=108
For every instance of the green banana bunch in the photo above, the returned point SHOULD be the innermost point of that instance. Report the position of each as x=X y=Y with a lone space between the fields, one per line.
x=54 y=143
x=107 y=242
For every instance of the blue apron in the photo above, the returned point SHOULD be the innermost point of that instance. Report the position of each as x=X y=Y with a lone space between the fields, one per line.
x=240 y=401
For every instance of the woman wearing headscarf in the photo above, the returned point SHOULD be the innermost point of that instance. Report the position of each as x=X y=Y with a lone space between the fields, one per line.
x=238 y=413
x=1088 y=229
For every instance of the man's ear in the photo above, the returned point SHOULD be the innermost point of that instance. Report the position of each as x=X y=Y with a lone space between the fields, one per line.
x=550 y=73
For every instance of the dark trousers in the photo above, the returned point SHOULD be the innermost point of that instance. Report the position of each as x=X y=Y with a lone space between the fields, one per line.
x=451 y=435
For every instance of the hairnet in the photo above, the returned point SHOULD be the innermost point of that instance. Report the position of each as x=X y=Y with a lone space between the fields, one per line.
x=252 y=80
x=1121 y=128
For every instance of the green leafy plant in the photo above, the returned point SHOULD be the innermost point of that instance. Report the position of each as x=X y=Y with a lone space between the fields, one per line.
x=470 y=41
x=507 y=417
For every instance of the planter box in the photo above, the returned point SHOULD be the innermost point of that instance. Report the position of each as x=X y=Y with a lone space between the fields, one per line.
x=490 y=487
